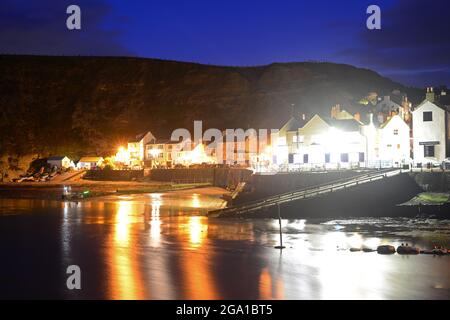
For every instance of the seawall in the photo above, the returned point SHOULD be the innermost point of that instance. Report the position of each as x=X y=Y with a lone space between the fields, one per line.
x=376 y=199
x=219 y=177
x=261 y=186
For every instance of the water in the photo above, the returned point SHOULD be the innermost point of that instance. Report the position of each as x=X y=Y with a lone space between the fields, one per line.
x=161 y=246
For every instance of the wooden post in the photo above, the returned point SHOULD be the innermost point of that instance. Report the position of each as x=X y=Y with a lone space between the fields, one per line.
x=281 y=235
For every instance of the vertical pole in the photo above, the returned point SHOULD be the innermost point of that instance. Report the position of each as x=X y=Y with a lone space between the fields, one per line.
x=281 y=235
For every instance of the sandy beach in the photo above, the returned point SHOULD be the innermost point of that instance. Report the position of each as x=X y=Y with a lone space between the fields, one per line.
x=54 y=191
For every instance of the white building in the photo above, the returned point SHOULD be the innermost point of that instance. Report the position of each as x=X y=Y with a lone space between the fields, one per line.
x=331 y=143
x=393 y=143
x=431 y=136
x=136 y=147
x=90 y=163
x=61 y=162
x=343 y=142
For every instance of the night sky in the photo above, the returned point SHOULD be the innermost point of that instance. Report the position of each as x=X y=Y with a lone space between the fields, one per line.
x=413 y=46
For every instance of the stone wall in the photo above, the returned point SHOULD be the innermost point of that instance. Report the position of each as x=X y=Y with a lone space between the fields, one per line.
x=220 y=177
x=114 y=175
x=433 y=181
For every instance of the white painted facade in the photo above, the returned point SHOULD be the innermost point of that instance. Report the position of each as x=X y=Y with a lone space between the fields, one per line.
x=60 y=162
x=136 y=148
x=319 y=144
x=90 y=163
x=344 y=143
x=430 y=125
x=394 y=147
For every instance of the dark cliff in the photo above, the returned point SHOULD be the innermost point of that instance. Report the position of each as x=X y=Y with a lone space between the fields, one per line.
x=92 y=104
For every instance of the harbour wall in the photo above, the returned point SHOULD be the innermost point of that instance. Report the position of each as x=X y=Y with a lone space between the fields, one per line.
x=261 y=186
x=219 y=177
x=379 y=198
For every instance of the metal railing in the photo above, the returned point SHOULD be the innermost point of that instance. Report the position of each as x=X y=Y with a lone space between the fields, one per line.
x=308 y=192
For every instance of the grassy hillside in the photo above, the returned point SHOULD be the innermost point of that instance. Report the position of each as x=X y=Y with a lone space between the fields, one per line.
x=80 y=105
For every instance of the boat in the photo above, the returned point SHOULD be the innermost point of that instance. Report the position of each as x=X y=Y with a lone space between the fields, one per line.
x=355 y=249
x=435 y=251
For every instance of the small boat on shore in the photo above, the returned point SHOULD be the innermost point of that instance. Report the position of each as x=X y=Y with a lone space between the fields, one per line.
x=435 y=251
x=407 y=250
x=386 y=249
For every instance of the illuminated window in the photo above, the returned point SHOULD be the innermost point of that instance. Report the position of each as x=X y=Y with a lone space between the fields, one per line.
x=282 y=141
x=300 y=139
x=294 y=139
x=398 y=146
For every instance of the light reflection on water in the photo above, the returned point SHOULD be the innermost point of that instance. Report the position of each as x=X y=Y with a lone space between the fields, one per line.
x=162 y=246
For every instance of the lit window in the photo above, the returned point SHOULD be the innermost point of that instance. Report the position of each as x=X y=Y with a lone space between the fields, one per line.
x=398 y=146
x=294 y=139
x=300 y=139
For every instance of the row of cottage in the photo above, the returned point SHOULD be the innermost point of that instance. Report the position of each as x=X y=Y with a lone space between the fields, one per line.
x=392 y=133
x=405 y=136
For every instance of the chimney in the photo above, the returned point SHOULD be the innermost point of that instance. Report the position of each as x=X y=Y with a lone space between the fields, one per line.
x=335 y=110
x=370 y=118
x=430 y=94
x=292 y=110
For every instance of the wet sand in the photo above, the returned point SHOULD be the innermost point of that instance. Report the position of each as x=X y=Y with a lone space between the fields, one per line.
x=54 y=191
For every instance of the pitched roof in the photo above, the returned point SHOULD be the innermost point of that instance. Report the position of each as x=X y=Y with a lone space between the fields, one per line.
x=91 y=159
x=293 y=124
x=139 y=137
x=162 y=141
x=437 y=104
x=348 y=125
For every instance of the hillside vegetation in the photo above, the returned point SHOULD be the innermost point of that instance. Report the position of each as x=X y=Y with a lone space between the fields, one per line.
x=90 y=105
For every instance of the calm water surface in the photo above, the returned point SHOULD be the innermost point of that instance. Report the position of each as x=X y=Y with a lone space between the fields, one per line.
x=161 y=246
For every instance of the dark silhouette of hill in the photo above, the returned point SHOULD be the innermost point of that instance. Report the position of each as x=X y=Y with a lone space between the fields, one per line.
x=92 y=104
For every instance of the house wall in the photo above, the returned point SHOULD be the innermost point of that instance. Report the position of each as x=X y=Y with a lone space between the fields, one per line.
x=429 y=131
x=320 y=139
x=394 y=148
